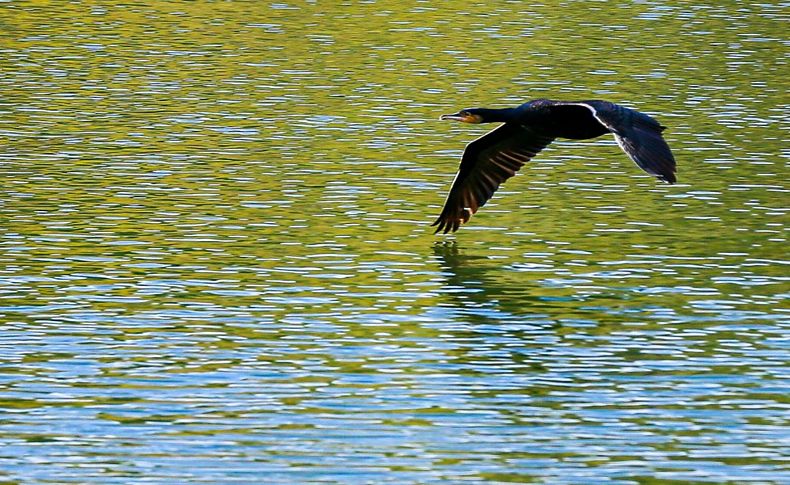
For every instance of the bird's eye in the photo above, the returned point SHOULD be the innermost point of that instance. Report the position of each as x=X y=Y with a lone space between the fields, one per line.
x=466 y=113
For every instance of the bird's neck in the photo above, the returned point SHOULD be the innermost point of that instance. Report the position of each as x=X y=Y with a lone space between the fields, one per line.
x=499 y=115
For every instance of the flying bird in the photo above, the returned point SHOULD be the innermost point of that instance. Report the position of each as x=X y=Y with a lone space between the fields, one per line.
x=527 y=129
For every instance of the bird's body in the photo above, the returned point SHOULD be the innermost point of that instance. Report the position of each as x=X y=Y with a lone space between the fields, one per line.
x=527 y=129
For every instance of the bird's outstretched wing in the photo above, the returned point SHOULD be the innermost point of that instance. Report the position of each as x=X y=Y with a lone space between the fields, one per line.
x=486 y=163
x=638 y=135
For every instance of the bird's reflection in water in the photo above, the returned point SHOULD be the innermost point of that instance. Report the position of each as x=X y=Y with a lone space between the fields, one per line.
x=461 y=273
x=495 y=320
x=518 y=322
x=486 y=291
x=479 y=289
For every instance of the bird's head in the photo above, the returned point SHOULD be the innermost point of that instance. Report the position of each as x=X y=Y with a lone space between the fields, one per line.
x=469 y=115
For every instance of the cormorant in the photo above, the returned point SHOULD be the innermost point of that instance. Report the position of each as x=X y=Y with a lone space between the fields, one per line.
x=527 y=129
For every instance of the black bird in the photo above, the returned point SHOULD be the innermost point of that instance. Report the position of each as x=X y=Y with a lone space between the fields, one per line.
x=527 y=129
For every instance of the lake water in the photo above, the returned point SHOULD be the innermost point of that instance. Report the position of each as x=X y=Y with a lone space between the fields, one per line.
x=216 y=264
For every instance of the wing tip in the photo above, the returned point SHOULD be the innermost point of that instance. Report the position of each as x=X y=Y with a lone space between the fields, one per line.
x=443 y=225
x=668 y=177
x=440 y=223
x=447 y=224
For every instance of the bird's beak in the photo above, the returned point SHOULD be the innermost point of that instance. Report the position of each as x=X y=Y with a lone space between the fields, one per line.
x=455 y=117
x=465 y=118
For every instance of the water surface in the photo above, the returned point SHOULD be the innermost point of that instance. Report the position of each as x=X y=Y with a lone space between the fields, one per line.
x=216 y=264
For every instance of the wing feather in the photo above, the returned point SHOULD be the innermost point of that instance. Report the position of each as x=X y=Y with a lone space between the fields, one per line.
x=638 y=135
x=486 y=163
